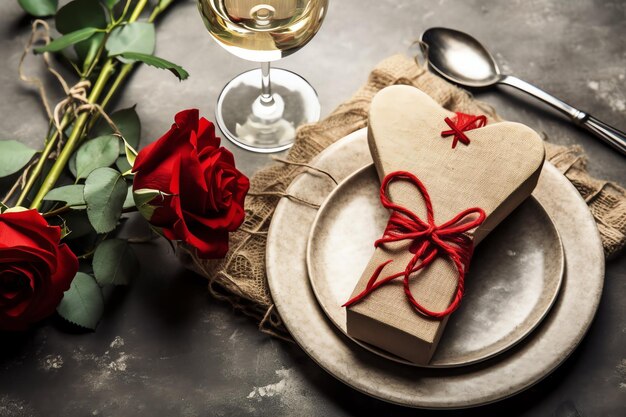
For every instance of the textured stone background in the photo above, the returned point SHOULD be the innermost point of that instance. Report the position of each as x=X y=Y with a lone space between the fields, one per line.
x=164 y=348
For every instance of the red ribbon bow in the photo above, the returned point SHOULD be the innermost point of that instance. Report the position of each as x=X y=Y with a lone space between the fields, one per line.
x=461 y=123
x=427 y=242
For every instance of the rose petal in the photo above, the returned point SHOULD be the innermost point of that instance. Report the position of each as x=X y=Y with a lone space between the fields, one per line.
x=207 y=140
x=27 y=228
x=163 y=215
x=13 y=324
x=209 y=243
x=191 y=184
x=28 y=254
x=34 y=269
x=16 y=305
x=187 y=119
x=57 y=284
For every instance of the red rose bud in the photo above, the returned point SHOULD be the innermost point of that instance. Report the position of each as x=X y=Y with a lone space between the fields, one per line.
x=35 y=270
x=187 y=186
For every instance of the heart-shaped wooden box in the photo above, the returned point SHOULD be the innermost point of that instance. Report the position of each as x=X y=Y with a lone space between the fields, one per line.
x=495 y=171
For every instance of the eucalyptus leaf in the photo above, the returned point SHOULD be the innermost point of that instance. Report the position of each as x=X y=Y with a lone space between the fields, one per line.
x=127 y=121
x=14 y=156
x=79 y=14
x=115 y=263
x=67 y=40
x=157 y=62
x=130 y=201
x=71 y=195
x=138 y=37
x=39 y=8
x=95 y=153
x=105 y=192
x=83 y=303
x=142 y=198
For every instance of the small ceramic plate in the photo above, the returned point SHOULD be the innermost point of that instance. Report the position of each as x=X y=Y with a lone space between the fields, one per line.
x=502 y=376
x=514 y=278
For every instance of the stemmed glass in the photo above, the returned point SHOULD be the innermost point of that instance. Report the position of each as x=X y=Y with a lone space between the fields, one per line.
x=253 y=112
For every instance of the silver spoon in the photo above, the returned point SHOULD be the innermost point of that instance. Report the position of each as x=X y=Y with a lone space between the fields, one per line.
x=462 y=59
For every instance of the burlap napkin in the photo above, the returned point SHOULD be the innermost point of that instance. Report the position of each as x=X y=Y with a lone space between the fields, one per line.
x=240 y=277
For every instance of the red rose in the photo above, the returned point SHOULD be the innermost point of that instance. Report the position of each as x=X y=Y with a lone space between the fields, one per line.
x=201 y=193
x=35 y=270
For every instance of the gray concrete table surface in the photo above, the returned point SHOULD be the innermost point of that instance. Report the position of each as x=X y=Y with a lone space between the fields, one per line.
x=166 y=348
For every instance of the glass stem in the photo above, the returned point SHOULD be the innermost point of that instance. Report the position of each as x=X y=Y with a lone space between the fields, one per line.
x=267 y=98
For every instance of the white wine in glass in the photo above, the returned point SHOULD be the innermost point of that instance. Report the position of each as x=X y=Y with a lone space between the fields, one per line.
x=253 y=112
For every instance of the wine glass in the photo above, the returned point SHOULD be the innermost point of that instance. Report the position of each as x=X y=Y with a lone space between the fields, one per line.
x=252 y=112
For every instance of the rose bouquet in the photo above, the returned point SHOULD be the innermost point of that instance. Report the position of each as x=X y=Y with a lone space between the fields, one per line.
x=59 y=221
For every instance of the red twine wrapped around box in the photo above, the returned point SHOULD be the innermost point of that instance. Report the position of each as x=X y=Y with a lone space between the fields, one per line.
x=460 y=123
x=427 y=242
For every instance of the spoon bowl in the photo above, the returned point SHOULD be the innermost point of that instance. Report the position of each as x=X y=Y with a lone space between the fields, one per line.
x=460 y=58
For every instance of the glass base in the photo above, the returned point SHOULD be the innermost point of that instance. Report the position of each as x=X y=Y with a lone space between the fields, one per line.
x=258 y=127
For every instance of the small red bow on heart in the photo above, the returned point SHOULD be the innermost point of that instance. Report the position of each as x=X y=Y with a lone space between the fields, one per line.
x=460 y=123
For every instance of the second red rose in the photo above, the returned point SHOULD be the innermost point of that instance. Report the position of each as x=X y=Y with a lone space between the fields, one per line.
x=196 y=195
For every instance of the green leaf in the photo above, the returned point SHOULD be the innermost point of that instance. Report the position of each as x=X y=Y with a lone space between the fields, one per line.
x=71 y=195
x=95 y=153
x=157 y=62
x=136 y=37
x=114 y=263
x=105 y=192
x=142 y=198
x=83 y=303
x=39 y=8
x=67 y=40
x=130 y=201
x=87 y=50
x=13 y=156
x=127 y=121
x=4 y=207
x=79 y=14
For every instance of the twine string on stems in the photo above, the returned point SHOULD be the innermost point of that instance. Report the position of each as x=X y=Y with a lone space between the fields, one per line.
x=73 y=95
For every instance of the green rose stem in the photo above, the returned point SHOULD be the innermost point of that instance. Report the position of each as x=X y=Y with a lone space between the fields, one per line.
x=124 y=71
x=54 y=136
x=34 y=174
x=77 y=131
x=105 y=73
x=65 y=209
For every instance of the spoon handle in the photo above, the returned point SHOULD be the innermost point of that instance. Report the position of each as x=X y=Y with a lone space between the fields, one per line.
x=607 y=133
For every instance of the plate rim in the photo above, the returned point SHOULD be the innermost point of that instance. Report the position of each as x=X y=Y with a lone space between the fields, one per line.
x=546 y=310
